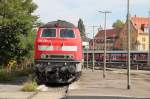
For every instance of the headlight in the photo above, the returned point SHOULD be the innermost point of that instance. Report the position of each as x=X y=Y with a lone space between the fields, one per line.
x=42 y=55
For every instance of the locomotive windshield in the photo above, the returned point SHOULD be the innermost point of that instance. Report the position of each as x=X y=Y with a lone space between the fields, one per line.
x=49 y=33
x=67 y=33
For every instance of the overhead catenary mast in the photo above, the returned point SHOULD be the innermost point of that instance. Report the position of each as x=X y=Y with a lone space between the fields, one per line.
x=128 y=33
x=105 y=40
x=149 y=38
x=93 y=51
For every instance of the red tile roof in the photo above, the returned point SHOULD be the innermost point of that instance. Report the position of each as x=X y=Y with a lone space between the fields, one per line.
x=110 y=33
x=138 y=21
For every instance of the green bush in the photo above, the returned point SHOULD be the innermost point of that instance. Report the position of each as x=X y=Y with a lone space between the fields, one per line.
x=14 y=74
x=30 y=86
x=24 y=72
x=6 y=76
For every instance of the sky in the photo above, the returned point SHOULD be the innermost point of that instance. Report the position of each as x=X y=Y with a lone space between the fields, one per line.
x=87 y=10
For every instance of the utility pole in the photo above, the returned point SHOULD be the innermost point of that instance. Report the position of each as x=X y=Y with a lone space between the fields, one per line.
x=87 y=54
x=93 y=52
x=104 y=68
x=128 y=28
x=87 y=57
x=149 y=38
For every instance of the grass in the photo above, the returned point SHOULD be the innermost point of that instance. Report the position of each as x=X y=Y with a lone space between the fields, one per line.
x=30 y=86
x=6 y=76
x=14 y=74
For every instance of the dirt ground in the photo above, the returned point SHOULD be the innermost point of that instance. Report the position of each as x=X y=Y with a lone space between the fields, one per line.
x=115 y=84
x=91 y=85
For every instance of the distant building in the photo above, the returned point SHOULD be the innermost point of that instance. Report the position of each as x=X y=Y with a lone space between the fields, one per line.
x=85 y=43
x=111 y=36
x=141 y=24
x=139 y=35
x=122 y=41
x=117 y=38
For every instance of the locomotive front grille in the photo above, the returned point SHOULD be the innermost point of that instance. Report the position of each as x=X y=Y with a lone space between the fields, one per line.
x=53 y=56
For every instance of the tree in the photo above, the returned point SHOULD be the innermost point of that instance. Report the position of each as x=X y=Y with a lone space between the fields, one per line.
x=81 y=29
x=16 y=24
x=118 y=24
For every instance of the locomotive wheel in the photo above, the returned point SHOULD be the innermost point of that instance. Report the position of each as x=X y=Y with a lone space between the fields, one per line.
x=39 y=77
x=40 y=80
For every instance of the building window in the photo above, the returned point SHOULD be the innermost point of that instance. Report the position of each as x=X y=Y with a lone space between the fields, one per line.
x=142 y=27
x=143 y=39
x=146 y=29
x=143 y=46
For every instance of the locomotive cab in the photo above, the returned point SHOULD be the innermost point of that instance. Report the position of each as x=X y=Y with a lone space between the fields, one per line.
x=58 y=52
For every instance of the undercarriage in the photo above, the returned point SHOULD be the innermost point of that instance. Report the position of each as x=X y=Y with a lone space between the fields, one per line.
x=56 y=73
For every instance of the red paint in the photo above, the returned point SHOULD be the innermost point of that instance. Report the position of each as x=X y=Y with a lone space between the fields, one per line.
x=57 y=44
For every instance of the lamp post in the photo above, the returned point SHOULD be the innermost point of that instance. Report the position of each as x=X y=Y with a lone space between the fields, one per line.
x=128 y=28
x=93 y=52
x=87 y=54
x=104 y=68
x=149 y=38
x=87 y=57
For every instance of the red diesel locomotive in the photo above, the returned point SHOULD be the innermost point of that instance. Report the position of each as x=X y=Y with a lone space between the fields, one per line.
x=58 y=52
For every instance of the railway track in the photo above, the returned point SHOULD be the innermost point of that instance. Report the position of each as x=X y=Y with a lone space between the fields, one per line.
x=54 y=91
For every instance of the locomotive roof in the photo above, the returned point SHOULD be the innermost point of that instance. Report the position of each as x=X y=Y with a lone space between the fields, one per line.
x=59 y=23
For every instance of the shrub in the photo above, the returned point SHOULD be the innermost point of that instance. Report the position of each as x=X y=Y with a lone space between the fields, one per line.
x=30 y=86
